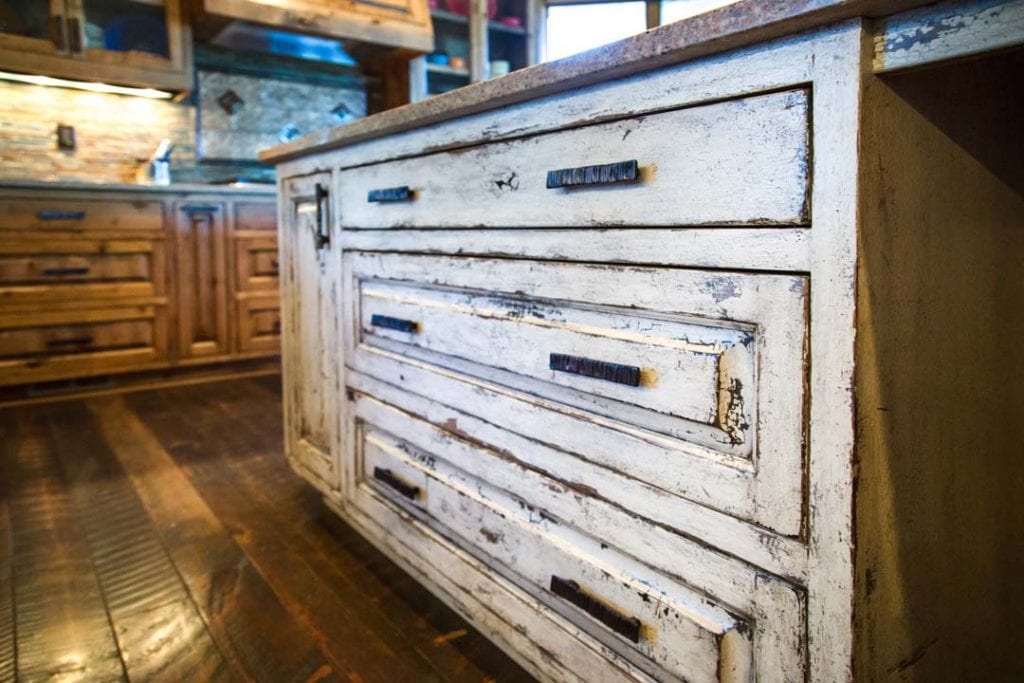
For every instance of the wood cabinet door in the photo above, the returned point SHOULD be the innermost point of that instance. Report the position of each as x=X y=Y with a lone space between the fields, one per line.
x=311 y=354
x=201 y=280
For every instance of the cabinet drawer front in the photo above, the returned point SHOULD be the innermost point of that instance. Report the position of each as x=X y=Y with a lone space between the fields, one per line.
x=51 y=345
x=81 y=269
x=701 y=372
x=259 y=324
x=737 y=162
x=76 y=338
x=256 y=264
x=255 y=216
x=73 y=215
x=679 y=633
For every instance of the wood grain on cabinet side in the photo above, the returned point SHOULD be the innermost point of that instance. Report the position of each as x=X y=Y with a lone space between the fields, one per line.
x=940 y=525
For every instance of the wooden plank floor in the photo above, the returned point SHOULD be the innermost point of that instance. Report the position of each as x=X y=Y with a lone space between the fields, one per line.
x=160 y=536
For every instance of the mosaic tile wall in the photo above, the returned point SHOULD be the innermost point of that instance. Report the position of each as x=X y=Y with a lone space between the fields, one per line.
x=240 y=115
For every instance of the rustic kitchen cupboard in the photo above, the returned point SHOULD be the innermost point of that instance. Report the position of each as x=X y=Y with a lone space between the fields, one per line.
x=144 y=43
x=694 y=358
x=124 y=279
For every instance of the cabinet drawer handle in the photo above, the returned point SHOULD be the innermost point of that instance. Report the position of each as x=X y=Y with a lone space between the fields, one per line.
x=56 y=272
x=276 y=327
x=390 y=194
x=570 y=591
x=60 y=215
x=388 y=477
x=200 y=208
x=273 y=264
x=598 y=369
x=70 y=341
x=601 y=174
x=394 y=323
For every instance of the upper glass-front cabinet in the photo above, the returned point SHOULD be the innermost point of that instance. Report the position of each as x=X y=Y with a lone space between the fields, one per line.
x=128 y=42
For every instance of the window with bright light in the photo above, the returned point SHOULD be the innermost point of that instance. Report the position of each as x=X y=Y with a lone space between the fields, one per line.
x=574 y=27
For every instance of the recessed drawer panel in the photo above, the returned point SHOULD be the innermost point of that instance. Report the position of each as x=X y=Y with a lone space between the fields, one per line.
x=79 y=338
x=700 y=372
x=647 y=617
x=738 y=162
x=74 y=215
x=81 y=269
x=259 y=324
x=256 y=264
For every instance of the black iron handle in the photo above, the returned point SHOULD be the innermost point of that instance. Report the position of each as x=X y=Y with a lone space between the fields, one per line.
x=598 y=369
x=55 y=272
x=390 y=323
x=276 y=327
x=388 y=477
x=601 y=174
x=322 y=234
x=70 y=341
x=75 y=34
x=53 y=215
x=200 y=208
x=273 y=264
x=390 y=194
x=59 y=32
x=570 y=591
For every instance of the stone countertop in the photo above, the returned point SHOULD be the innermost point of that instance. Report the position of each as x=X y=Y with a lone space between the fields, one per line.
x=174 y=188
x=733 y=26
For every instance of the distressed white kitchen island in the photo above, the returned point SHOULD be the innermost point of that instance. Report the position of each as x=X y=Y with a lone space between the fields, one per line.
x=694 y=357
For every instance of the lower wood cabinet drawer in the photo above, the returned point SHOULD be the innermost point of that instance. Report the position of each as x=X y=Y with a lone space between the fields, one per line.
x=75 y=270
x=77 y=215
x=559 y=552
x=51 y=345
x=256 y=264
x=259 y=323
x=689 y=380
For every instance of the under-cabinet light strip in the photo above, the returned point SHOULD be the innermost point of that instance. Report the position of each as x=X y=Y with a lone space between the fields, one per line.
x=85 y=85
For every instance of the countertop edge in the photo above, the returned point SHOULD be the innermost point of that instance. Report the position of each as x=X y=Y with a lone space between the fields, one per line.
x=727 y=28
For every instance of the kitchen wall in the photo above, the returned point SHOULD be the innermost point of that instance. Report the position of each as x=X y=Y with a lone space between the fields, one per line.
x=114 y=131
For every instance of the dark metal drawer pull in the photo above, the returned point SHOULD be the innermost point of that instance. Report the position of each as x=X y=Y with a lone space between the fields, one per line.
x=599 y=369
x=70 y=341
x=60 y=215
x=390 y=194
x=59 y=32
x=601 y=174
x=388 y=477
x=54 y=272
x=200 y=208
x=627 y=627
x=394 y=323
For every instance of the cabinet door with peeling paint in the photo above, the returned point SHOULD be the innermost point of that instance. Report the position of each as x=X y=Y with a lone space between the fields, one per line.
x=309 y=304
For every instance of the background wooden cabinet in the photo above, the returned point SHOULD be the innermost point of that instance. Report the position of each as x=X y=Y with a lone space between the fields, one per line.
x=130 y=42
x=92 y=287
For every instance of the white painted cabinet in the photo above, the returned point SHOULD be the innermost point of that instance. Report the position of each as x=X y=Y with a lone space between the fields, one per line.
x=690 y=375
x=310 y=303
